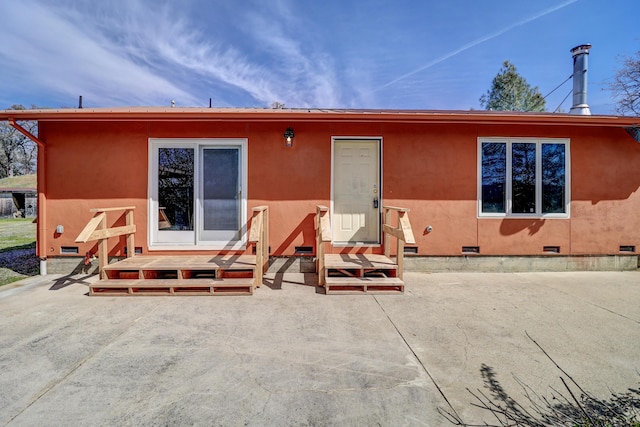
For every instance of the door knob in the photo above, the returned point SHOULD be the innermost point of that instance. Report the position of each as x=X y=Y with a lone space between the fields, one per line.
x=375 y=203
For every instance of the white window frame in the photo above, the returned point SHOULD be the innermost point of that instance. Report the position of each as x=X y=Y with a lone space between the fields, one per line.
x=197 y=144
x=509 y=200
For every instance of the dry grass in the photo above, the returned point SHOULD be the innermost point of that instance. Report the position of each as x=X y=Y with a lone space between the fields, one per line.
x=21 y=181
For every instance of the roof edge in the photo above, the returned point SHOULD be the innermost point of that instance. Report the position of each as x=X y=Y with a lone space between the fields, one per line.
x=314 y=115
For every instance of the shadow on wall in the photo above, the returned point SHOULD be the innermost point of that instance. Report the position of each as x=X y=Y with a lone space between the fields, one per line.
x=306 y=227
x=509 y=227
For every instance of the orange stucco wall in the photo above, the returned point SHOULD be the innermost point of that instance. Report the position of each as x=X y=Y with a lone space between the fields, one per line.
x=429 y=168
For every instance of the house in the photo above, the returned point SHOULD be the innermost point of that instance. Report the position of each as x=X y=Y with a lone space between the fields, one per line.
x=18 y=196
x=485 y=190
x=477 y=183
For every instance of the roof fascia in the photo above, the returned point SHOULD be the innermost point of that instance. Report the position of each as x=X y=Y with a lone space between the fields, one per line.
x=351 y=116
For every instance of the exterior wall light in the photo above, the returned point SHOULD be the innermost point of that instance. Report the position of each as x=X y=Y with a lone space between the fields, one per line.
x=288 y=137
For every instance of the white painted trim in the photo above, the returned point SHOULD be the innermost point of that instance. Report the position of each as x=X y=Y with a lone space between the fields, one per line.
x=152 y=206
x=508 y=185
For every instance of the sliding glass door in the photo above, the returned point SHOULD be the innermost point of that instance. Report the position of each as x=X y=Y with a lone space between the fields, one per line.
x=196 y=193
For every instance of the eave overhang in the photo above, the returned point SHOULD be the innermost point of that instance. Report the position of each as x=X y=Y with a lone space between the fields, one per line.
x=178 y=114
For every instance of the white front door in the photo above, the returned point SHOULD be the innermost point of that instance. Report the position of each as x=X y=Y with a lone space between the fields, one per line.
x=356 y=191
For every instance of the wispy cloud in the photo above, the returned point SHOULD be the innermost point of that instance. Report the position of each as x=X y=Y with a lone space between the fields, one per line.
x=477 y=42
x=143 y=52
x=50 y=53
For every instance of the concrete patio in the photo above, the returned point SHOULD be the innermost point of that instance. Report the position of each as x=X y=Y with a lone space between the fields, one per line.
x=290 y=355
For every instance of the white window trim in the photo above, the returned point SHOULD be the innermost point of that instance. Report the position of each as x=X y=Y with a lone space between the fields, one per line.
x=196 y=144
x=509 y=201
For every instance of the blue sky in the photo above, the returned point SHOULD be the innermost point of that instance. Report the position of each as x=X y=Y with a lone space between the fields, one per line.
x=395 y=54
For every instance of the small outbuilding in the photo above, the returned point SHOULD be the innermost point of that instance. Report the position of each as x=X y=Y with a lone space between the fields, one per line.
x=18 y=197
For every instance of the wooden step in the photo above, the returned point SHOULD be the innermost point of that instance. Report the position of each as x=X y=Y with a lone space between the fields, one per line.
x=171 y=287
x=359 y=261
x=364 y=285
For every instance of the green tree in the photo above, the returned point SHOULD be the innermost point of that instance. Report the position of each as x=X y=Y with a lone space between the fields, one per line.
x=626 y=86
x=17 y=152
x=511 y=92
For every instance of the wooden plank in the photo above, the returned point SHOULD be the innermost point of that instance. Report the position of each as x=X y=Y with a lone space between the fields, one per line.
x=387 y=243
x=364 y=281
x=171 y=287
x=405 y=226
x=171 y=283
x=131 y=246
x=400 y=257
x=395 y=208
x=112 y=232
x=256 y=227
x=355 y=261
x=126 y=208
x=91 y=226
x=103 y=249
x=398 y=234
x=359 y=286
x=325 y=228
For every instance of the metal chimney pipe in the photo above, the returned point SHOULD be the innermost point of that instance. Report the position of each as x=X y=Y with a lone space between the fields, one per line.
x=580 y=55
x=80 y=101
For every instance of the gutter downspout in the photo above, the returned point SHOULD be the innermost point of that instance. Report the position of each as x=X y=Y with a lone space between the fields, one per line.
x=41 y=246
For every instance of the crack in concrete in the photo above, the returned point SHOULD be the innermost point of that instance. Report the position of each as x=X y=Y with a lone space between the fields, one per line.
x=591 y=303
x=415 y=355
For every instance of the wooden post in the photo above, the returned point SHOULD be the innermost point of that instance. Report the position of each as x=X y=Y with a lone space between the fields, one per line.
x=385 y=236
x=321 y=231
x=265 y=240
x=259 y=234
x=400 y=248
x=259 y=271
x=103 y=249
x=131 y=247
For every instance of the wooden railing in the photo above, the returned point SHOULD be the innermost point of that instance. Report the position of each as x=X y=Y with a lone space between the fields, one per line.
x=259 y=235
x=323 y=235
x=96 y=229
x=402 y=232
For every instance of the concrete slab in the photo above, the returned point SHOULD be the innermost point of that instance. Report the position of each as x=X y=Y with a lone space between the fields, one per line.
x=290 y=355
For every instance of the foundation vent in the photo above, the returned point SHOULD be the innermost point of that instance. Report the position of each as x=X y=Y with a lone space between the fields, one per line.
x=627 y=248
x=551 y=249
x=304 y=250
x=137 y=250
x=471 y=249
x=253 y=249
x=68 y=249
x=411 y=250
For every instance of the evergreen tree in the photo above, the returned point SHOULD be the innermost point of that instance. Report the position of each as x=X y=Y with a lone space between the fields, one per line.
x=511 y=92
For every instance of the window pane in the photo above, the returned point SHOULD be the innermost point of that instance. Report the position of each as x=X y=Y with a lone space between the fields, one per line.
x=523 y=166
x=220 y=188
x=175 y=188
x=553 y=178
x=494 y=177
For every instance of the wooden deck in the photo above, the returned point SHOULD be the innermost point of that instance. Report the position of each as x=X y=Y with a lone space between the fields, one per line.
x=361 y=274
x=178 y=275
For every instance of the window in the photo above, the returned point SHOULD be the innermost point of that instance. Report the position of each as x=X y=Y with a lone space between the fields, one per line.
x=523 y=177
x=196 y=197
